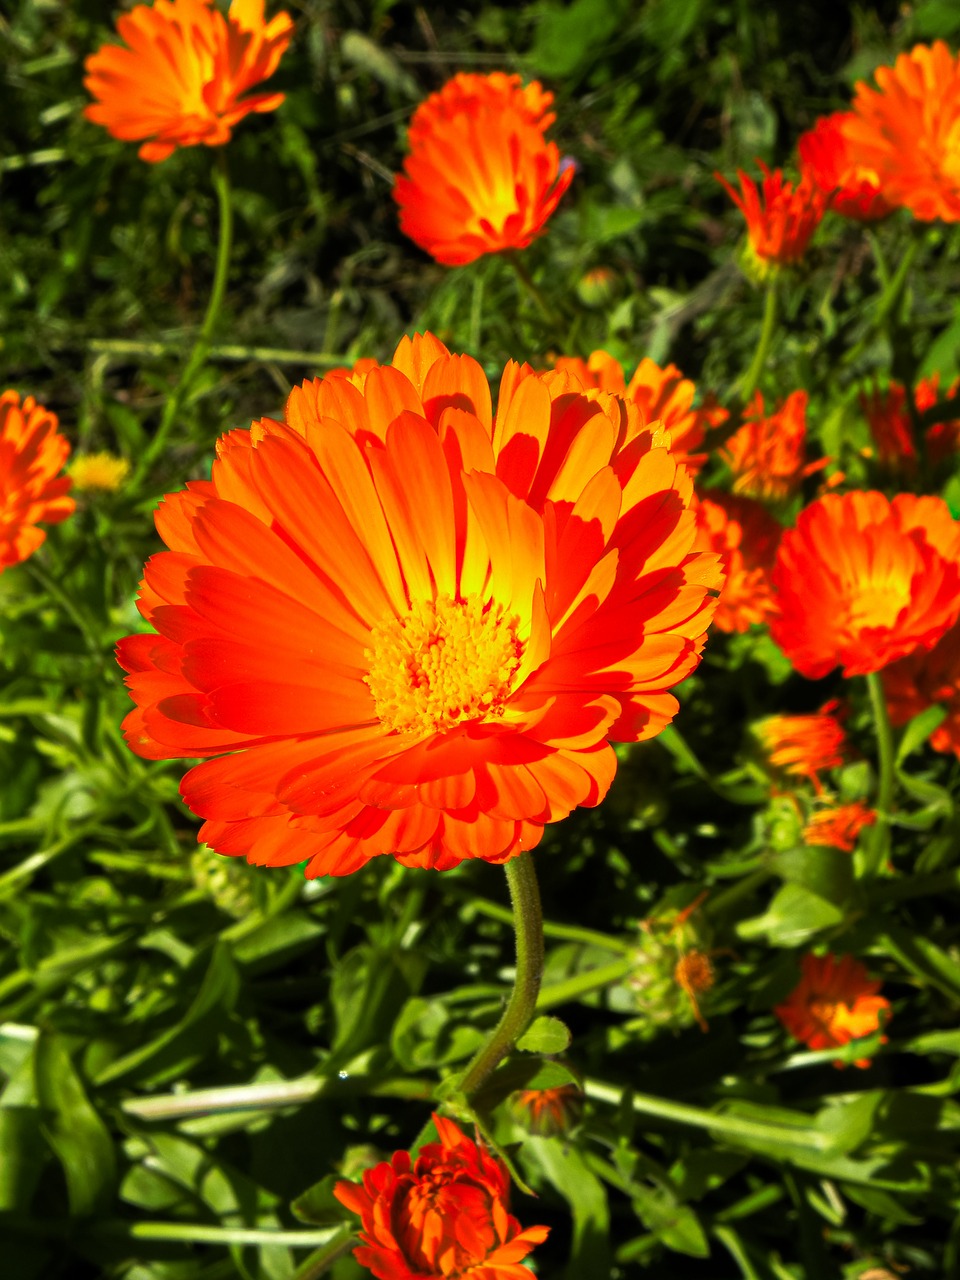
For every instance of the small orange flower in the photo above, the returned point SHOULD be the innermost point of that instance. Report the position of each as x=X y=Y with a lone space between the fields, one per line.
x=781 y=223
x=862 y=581
x=444 y=1216
x=836 y=1001
x=32 y=454
x=547 y=1111
x=746 y=537
x=480 y=178
x=906 y=131
x=839 y=827
x=851 y=189
x=180 y=80
x=435 y=680
x=803 y=745
x=923 y=680
x=892 y=431
x=767 y=454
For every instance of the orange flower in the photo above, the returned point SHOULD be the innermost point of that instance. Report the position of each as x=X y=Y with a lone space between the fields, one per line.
x=781 y=223
x=443 y=1217
x=746 y=537
x=852 y=190
x=430 y=679
x=892 y=431
x=32 y=454
x=862 y=581
x=906 y=131
x=180 y=80
x=835 y=1002
x=924 y=680
x=547 y=1111
x=479 y=177
x=839 y=827
x=803 y=745
x=766 y=454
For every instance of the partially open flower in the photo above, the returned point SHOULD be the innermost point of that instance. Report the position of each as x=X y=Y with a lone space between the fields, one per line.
x=547 y=1112
x=781 y=221
x=852 y=190
x=836 y=1001
x=32 y=454
x=745 y=536
x=839 y=827
x=767 y=455
x=803 y=746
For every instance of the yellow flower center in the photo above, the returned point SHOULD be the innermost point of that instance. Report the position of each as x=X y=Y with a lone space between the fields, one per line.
x=445 y=662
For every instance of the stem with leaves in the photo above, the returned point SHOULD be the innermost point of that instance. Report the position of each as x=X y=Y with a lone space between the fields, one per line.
x=750 y=379
x=879 y=833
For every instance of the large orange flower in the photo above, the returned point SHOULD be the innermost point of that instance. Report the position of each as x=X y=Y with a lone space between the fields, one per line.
x=803 y=745
x=889 y=421
x=445 y=1217
x=862 y=581
x=480 y=178
x=413 y=626
x=851 y=189
x=836 y=1001
x=923 y=680
x=32 y=454
x=781 y=221
x=180 y=80
x=907 y=131
x=767 y=455
x=746 y=537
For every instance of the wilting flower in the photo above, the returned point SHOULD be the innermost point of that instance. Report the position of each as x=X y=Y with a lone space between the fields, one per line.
x=803 y=745
x=103 y=471
x=32 y=454
x=889 y=421
x=767 y=455
x=906 y=131
x=180 y=79
x=836 y=1001
x=781 y=222
x=480 y=177
x=746 y=537
x=434 y=679
x=444 y=1216
x=852 y=190
x=862 y=581
x=839 y=827
x=547 y=1112
x=923 y=680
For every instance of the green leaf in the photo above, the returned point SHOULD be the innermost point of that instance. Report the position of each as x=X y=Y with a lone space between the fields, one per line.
x=79 y=1138
x=567 y=1170
x=919 y=730
x=795 y=914
x=545 y=1035
x=319 y=1206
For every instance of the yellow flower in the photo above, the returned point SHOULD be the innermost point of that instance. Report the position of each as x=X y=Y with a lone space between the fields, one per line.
x=99 y=471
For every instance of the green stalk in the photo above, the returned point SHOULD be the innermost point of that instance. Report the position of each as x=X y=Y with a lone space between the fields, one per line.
x=879 y=833
x=581 y=984
x=54 y=589
x=749 y=382
x=197 y=358
x=528 y=923
x=527 y=283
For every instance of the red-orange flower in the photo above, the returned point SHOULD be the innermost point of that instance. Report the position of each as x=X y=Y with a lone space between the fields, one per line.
x=547 y=1111
x=839 y=827
x=444 y=1217
x=836 y=1001
x=32 y=454
x=767 y=455
x=781 y=222
x=851 y=189
x=746 y=537
x=907 y=131
x=180 y=80
x=889 y=421
x=923 y=680
x=862 y=581
x=803 y=745
x=480 y=177
x=434 y=679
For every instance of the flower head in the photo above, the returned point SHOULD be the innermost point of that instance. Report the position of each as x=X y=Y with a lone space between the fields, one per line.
x=836 y=1001
x=103 y=471
x=781 y=222
x=444 y=1216
x=839 y=827
x=803 y=745
x=32 y=454
x=431 y=679
x=889 y=420
x=480 y=178
x=852 y=190
x=862 y=581
x=907 y=131
x=179 y=78
x=767 y=455
x=928 y=679
x=746 y=537
x=547 y=1112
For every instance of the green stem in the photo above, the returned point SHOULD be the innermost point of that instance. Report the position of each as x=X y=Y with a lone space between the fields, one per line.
x=878 y=834
x=319 y=1263
x=566 y=932
x=201 y=346
x=54 y=589
x=749 y=382
x=581 y=984
x=526 y=281
x=528 y=922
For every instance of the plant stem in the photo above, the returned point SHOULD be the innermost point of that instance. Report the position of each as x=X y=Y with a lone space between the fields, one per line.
x=581 y=984
x=201 y=346
x=878 y=834
x=526 y=281
x=750 y=379
x=54 y=589
x=528 y=922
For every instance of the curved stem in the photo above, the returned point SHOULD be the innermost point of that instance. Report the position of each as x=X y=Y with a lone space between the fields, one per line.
x=528 y=923
x=201 y=346
x=878 y=835
x=750 y=379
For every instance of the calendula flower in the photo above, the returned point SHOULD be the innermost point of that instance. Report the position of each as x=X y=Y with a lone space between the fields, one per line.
x=180 y=77
x=862 y=581
x=836 y=1001
x=906 y=131
x=926 y=679
x=746 y=537
x=32 y=454
x=434 y=679
x=889 y=420
x=443 y=1216
x=103 y=471
x=803 y=746
x=852 y=190
x=480 y=176
x=547 y=1112
x=767 y=455
x=839 y=827
x=780 y=221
